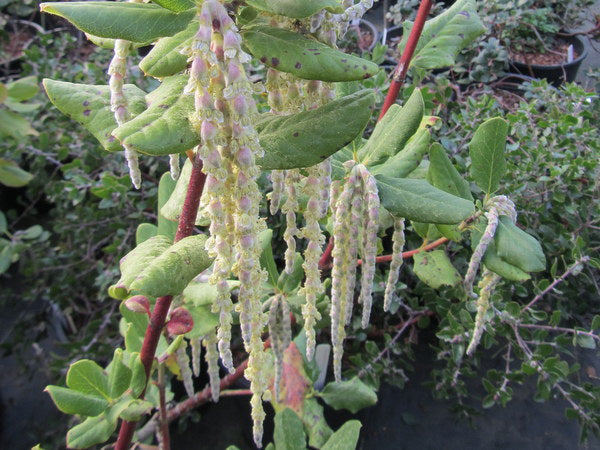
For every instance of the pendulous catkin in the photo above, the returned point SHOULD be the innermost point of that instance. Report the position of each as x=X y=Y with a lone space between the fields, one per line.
x=396 y=263
x=487 y=284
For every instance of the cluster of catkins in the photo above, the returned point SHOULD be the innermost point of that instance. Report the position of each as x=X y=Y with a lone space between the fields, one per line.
x=288 y=94
x=119 y=106
x=229 y=148
x=495 y=207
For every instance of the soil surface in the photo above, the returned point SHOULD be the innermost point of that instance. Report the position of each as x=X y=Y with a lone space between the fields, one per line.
x=551 y=57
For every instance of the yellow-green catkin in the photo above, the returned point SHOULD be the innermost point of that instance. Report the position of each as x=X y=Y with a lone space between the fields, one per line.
x=395 y=264
x=183 y=361
x=369 y=241
x=344 y=265
x=196 y=345
x=281 y=335
x=487 y=284
x=118 y=102
x=479 y=252
x=212 y=360
x=289 y=208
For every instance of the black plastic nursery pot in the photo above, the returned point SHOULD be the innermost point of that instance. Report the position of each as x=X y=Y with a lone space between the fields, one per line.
x=555 y=74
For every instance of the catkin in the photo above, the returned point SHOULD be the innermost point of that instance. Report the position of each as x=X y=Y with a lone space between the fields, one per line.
x=487 y=284
x=369 y=242
x=118 y=102
x=278 y=180
x=289 y=208
x=477 y=256
x=183 y=361
x=212 y=360
x=396 y=263
x=196 y=345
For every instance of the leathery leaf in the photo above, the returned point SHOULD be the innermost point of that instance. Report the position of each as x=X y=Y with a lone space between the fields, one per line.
x=164 y=128
x=89 y=105
x=406 y=161
x=136 y=22
x=171 y=210
x=136 y=261
x=296 y=9
x=289 y=141
x=171 y=272
x=435 y=269
x=303 y=56
x=393 y=132
x=164 y=59
x=419 y=201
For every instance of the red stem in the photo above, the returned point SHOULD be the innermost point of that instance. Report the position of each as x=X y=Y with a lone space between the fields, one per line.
x=405 y=255
x=325 y=260
x=402 y=68
x=159 y=314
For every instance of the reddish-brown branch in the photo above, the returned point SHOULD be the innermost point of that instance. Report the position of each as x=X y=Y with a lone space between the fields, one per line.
x=402 y=68
x=405 y=255
x=325 y=260
x=159 y=314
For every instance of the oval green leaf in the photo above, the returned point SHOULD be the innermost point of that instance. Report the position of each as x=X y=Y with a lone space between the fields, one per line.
x=419 y=201
x=393 y=132
x=175 y=5
x=304 y=57
x=90 y=106
x=296 y=9
x=435 y=269
x=136 y=22
x=289 y=141
x=518 y=248
x=171 y=272
x=164 y=128
x=487 y=154
x=165 y=59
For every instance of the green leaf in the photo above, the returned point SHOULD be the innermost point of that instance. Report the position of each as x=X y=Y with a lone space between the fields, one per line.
x=11 y=174
x=314 y=422
x=88 y=377
x=164 y=128
x=136 y=22
x=518 y=248
x=491 y=260
x=487 y=154
x=92 y=431
x=12 y=124
x=136 y=261
x=406 y=161
x=444 y=36
x=304 y=57
x=296 y=9
x=23 y=89
x=70 y=401
x=172 y=271
x=119 y=376
x=166 y=186
x=266 y=256
x=165 y=59
x=595 y=322
x=90 y=106
x=171 y=210
x=3 y=223
x=443 y=175
x=175 y=5
x=419 y=201
x=289 y=282
x=393 y=132
x=289 y=141
x=135 y=410
x=435 y=269
x=138 y=374
x=205 y=321
x=3 y=93
x=203 y=293
x=585 y=341
x=289 y=431
x=352 y=395
x=144 y=232
x=345 y=438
